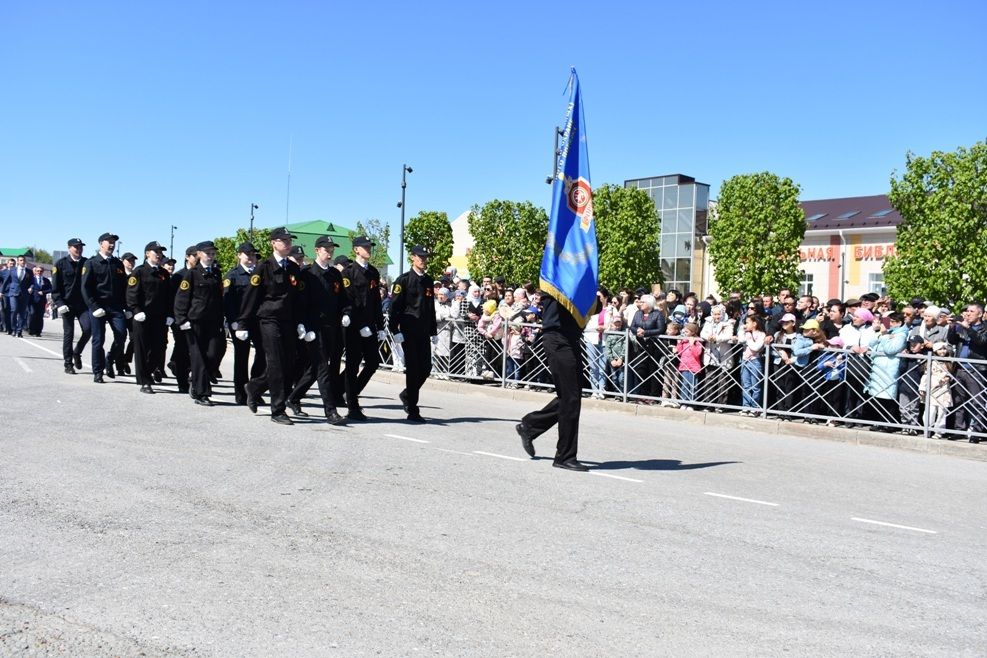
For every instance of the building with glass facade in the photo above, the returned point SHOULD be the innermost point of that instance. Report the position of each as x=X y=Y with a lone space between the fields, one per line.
x=683 y=206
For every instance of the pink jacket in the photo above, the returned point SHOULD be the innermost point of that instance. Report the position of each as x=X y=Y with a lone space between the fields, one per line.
x=690 y=355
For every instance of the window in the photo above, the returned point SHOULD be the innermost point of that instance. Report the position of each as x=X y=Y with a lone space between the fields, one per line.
x=805 y=287
x=875 y=283
x=882 y=213
x=671 y=197
x=848 y=214
x=818 y=215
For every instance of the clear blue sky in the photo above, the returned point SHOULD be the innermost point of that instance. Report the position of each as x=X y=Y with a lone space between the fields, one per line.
x=132 y=116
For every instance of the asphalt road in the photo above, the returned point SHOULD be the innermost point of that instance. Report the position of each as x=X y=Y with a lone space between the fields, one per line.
x=145 y=525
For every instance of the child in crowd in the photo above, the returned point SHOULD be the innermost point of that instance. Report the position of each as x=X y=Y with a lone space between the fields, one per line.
x=937 y=379
x=615 y=349
x=515 y=353
x=668 y=366
x=751 y=366
x=690 y=352
x=909 y=400
x=832 y=363
x=490 y=326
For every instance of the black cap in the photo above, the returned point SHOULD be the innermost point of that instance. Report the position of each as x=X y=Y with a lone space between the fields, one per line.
x=282 y=233
x=109 y=236
x=916 y=339
x=170 y=261
x=341 y=260
x=297 y=250
x=76 y=242
x=154 y=246
x=917 y=302
x=420 y=251
x=870 y=297
x=499 y=279
x=205 y=244
x=362 y=241
x=128 y=256
x=325 y=241
x=190 y=251
x=246 y=248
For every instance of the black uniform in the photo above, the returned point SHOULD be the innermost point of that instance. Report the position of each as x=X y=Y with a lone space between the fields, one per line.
x=562 y=340
x=272 y=299
x=199 y=301
x=235 y=284
x=362 y=286
x=180 y=363
x=66 y=290
x=413 y=316
x=104 y=286
x=149 y=292
x=325 y=302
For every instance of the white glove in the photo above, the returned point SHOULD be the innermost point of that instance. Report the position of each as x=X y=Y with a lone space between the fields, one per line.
x=301 y=331
x=169 y=321
x=309 y=336
x=128 y=314
x=398 y=337
x=242 y=334
x=63 y=309
x=346 y=320
x=186 y=326
x=140 y=317
x=98 y=313
x=382 y=335
x=234 y=326
x=365 y=332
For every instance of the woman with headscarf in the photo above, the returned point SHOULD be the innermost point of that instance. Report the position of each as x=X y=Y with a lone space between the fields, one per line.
x=646 y=328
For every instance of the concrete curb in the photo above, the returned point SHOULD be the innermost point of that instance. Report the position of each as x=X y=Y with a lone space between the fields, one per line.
x=962 y=450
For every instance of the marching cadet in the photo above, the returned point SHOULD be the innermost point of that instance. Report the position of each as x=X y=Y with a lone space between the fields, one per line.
x=324 y=300
x=104 y=285
x=180 y=362
x=272 y=299
x=66 y=297
x=297 y=256
x=361 y=281
x=199 y=314
x=148 y=298
x=412 y=322
x=235 y=284
x=129 y=264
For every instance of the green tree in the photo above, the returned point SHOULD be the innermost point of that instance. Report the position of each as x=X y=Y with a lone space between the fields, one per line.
x=431 y=229
x=380 y=234
x=755 y=234
x=509 y=240
x=939 y=247
x=627 y=230
x=226 y=247
x=42 y=256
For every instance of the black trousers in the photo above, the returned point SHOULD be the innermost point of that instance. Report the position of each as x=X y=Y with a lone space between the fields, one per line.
x=180 y=363
x=359 y=349
x=320 y=368
x=128 y=351
x=969 y=399
x=149 y=346
x=71 y=349
x=565 y=361
x=417 y=367
x=206 y=345
x=278 y=339
x=115 y=319
x=36 y=318
x=241 y=359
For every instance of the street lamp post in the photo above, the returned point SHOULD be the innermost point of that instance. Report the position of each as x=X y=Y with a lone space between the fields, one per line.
x=253 y=207
x=171 y=245
x=405 y=170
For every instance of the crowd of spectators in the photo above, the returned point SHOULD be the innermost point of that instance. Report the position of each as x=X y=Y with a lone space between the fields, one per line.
x=863 y=362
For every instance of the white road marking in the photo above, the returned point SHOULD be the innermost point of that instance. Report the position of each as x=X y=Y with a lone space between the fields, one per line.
x=22 y=364
x=615 y=477
x=406 y=438
x=494 y=454
x=743 y=500
x=455 y=452
x=894 y=525
x=41 y=347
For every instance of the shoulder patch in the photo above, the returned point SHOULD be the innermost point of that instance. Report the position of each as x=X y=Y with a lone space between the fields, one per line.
x=132 y=281
x=227 y=283
x=397 y=289
x=54 y=270
x=255 y=280
x=301 y=285
x=346 y=282
x=184 y=285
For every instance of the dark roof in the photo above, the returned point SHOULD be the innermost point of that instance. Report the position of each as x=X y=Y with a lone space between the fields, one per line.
x=851 y=212
x=676 y=179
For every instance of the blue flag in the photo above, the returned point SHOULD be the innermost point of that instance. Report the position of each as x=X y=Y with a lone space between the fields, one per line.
x=570 y=267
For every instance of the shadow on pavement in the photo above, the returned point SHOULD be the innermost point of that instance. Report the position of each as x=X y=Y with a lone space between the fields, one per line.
x=652 y=465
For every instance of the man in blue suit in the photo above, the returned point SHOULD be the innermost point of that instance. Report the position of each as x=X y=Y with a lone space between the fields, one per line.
x=15 y=291
x=4 y=304
x=38 y=292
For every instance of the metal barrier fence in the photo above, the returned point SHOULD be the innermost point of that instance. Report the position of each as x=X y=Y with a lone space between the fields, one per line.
x=919 y=394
